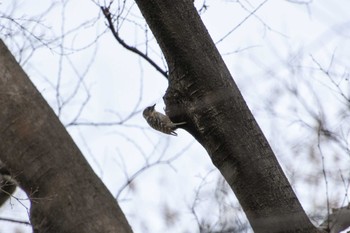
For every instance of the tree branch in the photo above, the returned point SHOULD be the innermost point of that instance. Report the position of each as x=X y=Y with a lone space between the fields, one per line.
x=108 y=16
x=15 y=221
x=37 y=150
x=338 y=221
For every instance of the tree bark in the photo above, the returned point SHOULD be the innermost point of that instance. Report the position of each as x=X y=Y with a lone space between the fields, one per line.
x=202 y=93
x=65 y=194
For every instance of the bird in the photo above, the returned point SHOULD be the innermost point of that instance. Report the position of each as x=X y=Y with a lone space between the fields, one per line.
x=159 y=121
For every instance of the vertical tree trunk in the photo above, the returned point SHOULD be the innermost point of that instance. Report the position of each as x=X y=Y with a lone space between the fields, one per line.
x=65 y=194
x=202 y=92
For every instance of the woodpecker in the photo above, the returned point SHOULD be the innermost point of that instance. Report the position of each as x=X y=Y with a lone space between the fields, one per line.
x=159 y=121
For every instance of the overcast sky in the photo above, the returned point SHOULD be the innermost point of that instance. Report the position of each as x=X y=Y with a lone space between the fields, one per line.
x=259 y=53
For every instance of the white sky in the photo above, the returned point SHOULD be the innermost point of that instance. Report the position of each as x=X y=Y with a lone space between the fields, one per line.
x=282 y=30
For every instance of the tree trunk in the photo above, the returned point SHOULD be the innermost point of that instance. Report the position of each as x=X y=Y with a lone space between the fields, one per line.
x=65 y=194
x=202 y=93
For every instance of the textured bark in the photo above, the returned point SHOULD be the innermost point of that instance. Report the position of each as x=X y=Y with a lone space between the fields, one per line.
x=202 y=92
x=65 y=194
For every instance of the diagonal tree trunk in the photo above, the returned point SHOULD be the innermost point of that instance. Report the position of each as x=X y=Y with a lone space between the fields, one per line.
x=65 y=194
x=202 y=93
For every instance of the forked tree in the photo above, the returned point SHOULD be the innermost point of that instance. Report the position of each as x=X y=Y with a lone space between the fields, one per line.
x=40 y=155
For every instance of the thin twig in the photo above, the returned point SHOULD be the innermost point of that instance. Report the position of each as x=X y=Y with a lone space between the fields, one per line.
x=325 y=178
x=15 y=221
x=245 y=19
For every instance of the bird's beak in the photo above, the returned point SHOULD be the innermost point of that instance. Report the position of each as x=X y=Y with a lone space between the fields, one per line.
x=153 y=106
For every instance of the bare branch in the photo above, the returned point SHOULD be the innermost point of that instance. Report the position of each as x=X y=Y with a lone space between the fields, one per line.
x=108 y=16
x=338 y=221
x=238 y=25
x=15 y=221
x=148 y=165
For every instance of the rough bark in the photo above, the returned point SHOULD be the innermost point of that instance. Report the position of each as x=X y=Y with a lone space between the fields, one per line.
x=65 y=194
x=202 y=92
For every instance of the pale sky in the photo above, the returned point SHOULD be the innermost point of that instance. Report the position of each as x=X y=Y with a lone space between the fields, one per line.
x=279 y=33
